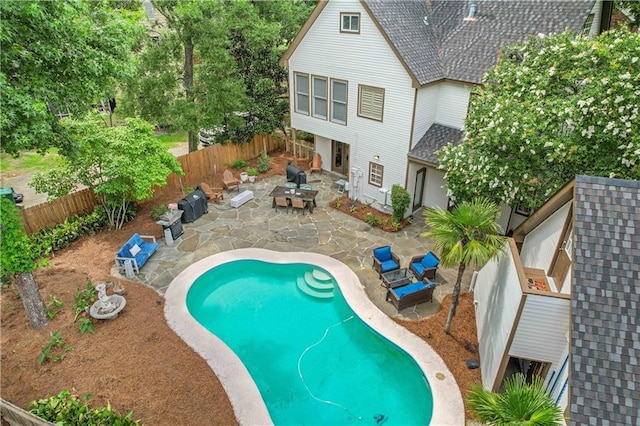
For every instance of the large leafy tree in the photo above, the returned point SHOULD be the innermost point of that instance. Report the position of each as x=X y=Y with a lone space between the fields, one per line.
x=17 y=263
x=187 y=78
x=521 y=403
x=122 y=164
x=552 y=107
x=216 y=66
x=59 y=56
x=467 y=235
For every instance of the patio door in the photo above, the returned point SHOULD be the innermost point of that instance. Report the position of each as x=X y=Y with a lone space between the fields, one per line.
x=561 y=264
x=418 y=190
x=340 y=157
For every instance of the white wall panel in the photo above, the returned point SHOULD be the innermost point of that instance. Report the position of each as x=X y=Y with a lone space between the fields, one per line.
x=497 y=295
x=540 y=244
x=435 y=188
x=541 y=333
x=453 y=104
x=426 y=108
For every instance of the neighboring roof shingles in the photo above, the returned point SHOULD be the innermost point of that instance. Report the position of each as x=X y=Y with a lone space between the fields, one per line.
x=605 y=302
x=435 y=138
x=449 y=47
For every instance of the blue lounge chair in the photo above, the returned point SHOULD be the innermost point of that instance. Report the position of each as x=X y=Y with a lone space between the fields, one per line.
x=424 y=266
x=384 y=260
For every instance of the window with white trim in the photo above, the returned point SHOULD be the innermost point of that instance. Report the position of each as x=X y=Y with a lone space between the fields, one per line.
x=376 y=172
x=350 y=23
x=339 y=101
x=319 y=93
x=370 y=102
x=302 y=93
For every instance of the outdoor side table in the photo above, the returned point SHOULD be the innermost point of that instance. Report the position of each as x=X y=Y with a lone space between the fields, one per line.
x=396 y=278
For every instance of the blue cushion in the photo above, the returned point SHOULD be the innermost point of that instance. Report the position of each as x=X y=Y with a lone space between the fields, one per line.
x=417 y=266
x=388 y=265
x=429 y=261
x=411 y=288
x=382 y=253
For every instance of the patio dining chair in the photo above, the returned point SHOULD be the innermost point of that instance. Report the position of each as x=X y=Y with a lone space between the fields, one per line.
x=298 y=203
x=281 y=202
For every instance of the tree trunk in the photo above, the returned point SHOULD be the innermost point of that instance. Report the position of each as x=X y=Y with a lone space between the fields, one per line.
x=188 y=88
x=454 y=297
x=31 y=299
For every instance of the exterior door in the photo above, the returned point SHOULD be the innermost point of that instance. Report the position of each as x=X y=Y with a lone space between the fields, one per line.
x=419 y=188
x=562 y=263
x=340 y=157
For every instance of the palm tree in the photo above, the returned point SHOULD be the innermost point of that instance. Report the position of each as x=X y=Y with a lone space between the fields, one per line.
x=519 y=404
x=468 y=235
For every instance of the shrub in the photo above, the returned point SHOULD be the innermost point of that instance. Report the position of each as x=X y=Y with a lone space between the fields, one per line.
x=239 y=164
x=251 y=171
x=158 y=211
x=84 y=299
x=400 y=200
x=48 y=240
x=372 y=219
x=55 y=349
x=264 y=162
x=70 y=410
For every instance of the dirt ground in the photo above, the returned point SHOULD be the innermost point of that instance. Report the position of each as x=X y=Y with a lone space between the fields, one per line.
x=136 y=362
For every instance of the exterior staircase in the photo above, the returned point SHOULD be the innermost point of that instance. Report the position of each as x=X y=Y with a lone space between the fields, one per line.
x=316 y=284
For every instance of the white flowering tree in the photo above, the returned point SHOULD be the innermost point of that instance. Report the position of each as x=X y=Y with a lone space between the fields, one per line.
x=552 y=107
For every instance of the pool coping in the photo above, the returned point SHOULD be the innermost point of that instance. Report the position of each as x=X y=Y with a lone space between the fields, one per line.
x=247 y=403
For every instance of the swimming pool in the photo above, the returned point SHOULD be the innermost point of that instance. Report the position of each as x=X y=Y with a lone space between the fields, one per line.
x=243 y=392
x=313 y=360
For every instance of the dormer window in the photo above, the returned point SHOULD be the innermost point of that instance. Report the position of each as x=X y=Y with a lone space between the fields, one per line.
x=350 y=23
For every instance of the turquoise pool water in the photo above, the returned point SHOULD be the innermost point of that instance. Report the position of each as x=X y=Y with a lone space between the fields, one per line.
x=312 y=359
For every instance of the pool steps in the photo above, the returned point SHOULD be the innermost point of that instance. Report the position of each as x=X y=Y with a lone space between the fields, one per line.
x=316 y=283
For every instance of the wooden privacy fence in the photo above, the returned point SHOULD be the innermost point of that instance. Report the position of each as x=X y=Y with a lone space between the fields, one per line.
x=198 y=166
x=201 y=165
x=49 y=214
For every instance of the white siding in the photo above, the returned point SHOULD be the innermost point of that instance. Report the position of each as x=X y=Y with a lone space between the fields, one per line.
x=435 y=189
x=540 y=244
x=595 y=25
x=426 y=108
x=541 y=333
x=497 y=296
x=363 y=58
x=557 y=377
x=453 y=104
x=323 y=147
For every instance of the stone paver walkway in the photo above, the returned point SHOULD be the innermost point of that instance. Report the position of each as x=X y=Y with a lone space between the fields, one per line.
x=327 y=231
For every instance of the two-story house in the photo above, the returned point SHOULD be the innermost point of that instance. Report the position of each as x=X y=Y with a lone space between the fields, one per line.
x=563 y=302
x=384 y=84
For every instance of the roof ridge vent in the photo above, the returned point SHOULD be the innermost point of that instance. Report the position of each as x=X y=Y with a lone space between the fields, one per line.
x=472 y=11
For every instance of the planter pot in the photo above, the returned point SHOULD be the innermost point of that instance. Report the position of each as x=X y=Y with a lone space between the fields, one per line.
x=244 y=177
x=252 y=179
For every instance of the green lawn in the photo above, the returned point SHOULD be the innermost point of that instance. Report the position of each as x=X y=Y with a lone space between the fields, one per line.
x=171 y=140
x=30 y=162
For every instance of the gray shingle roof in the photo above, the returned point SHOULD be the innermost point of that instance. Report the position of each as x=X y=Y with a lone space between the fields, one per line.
x=451 y=48
x=435 y=138
x=605 y=302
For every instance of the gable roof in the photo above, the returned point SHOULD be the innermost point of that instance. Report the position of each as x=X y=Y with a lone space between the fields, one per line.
x=433 y=41
x=434 y=139
x=605 y=302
